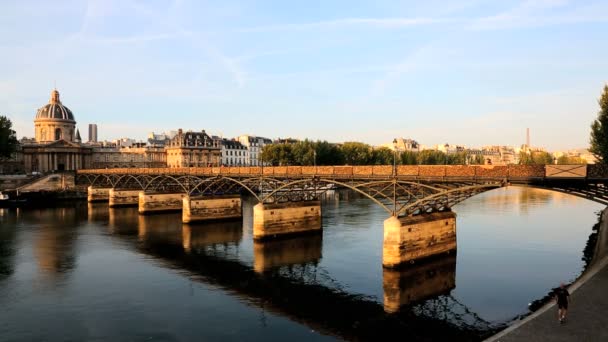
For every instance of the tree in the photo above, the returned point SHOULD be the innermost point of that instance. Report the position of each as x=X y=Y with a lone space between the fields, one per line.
x=384 y=156
x=408 y=158
x=565 y=160
x=599 y=130
x=356 y=153
x=8 y=138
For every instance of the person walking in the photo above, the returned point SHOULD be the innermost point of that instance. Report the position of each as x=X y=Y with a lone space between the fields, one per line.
x=562 y=297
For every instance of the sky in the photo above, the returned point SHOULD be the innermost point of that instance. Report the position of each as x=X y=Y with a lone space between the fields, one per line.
x=468 y=72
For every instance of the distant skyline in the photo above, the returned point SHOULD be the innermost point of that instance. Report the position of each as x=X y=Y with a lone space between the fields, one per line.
x=471 y=72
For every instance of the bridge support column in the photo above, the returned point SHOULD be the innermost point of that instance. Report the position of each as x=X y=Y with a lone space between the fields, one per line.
x=271 y=220
x=209 y=208
x=123 y=198
x=412 y=238
x=150 y=203
x=97 y=194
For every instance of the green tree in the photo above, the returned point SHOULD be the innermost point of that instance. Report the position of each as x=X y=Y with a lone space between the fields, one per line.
x=8 y=138
x=384 y=156
x=599 y=130
x=431 y=157
x=565 y=160
x=408 y=158
x=356 y=153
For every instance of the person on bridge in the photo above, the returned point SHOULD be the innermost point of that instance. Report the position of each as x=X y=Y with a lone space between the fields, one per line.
x=562 y=297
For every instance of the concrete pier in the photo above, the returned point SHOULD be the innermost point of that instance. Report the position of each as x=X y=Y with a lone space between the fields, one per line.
x=414 y=283
x=209 y=208
x=279 y=219
x=288 y=251
x=412 y=238
x=123 y=198
x=98 y=194
x=150 y=203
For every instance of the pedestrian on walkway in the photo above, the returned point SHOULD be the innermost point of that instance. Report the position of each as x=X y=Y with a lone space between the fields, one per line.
x=562 y=297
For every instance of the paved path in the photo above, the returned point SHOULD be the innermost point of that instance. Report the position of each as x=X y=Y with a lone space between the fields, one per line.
x=588 y=312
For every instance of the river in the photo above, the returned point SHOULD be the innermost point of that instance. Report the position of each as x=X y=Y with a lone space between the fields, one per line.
x=85 y=272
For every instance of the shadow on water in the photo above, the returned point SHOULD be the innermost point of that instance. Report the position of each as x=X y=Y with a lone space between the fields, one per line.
x=201 y=252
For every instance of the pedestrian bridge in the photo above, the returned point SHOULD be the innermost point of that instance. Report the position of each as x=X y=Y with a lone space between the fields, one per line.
x=418 y=198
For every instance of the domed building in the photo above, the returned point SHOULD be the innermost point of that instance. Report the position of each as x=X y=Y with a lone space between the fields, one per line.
x=57 y=145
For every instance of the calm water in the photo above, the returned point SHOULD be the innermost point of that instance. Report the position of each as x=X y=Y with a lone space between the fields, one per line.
x=90 y=273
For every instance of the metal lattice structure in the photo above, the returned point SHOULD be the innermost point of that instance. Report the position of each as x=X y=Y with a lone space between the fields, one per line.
x=399 y=197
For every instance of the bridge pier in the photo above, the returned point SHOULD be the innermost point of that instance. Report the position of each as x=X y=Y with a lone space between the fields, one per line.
x=277 y=219
x=209 y=208
x=150 y=203
x=123 y=198
x=414 y=283
x=412 y=238
x=97 y=194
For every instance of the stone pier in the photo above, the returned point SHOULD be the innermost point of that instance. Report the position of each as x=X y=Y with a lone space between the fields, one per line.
x=210 y=208
x=288 y=251
x=123 y=198
x=414 y=283
x=279 y=219
x=98 y=194
x=150 y=203
x=417 y=237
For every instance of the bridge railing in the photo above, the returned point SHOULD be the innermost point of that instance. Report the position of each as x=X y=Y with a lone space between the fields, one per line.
x=510 y=172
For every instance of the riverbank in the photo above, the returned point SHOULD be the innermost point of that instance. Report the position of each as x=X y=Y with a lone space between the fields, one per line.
x=41 y=199
x=587 y=320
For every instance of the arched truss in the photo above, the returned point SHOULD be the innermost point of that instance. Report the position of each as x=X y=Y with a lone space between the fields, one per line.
x=593 y=191
x=397 y=197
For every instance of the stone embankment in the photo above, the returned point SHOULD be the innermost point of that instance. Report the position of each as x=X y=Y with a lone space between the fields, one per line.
x=587 y=319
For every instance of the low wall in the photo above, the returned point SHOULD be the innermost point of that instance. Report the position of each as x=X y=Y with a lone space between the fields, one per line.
x=209 y=208
x=270 y=220
x=98 y=194
x=149 y=203
x=412 y=238
x=123 y=198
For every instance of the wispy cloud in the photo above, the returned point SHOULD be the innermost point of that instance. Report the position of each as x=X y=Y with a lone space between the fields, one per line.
x=346 y=22
x=536 y=13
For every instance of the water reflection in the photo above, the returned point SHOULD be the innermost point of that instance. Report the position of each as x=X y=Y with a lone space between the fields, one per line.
x=8 y=247
x=288 y=251
x=415 y=283
x=97 y=212
x=55 y=241
x=211 y=233
x=160 y=229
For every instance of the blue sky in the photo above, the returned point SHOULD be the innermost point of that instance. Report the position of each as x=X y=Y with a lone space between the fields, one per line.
x=463 y=72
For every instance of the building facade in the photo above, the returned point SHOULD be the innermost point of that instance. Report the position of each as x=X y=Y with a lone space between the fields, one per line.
x=254 y=146
x=233 y=153
x=57 y=144
x=193 y=149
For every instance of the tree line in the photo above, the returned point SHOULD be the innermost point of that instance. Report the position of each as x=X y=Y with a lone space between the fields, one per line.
x=308 y=153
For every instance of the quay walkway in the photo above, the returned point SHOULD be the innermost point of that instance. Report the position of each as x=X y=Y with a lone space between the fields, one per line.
x=587 y=318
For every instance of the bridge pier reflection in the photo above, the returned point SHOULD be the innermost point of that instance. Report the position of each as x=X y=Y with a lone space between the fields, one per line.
x=407 y=239
x=287 y=251
x=415 y=283
x=211 y=233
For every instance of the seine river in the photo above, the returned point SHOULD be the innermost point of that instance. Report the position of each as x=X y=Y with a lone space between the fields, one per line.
x=90 y=273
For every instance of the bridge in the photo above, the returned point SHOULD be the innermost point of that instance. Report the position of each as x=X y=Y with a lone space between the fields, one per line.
x=418 y=198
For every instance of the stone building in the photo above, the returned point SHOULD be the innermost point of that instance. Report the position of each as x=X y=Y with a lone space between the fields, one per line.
x=193 y=149
x=233 y=153
x=254 y=147
x=139 y=156
x=57 y=144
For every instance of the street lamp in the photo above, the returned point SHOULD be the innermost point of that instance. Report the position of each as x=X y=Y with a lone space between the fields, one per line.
x=395 y=157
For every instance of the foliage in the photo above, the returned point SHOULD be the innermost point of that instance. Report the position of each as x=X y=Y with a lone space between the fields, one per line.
x=384 y=156
x=535 y=158
x=356 y=153
x=409 y=158
x=565 y=160
x=431 y=157
x=599 y=130
x=8 y=138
